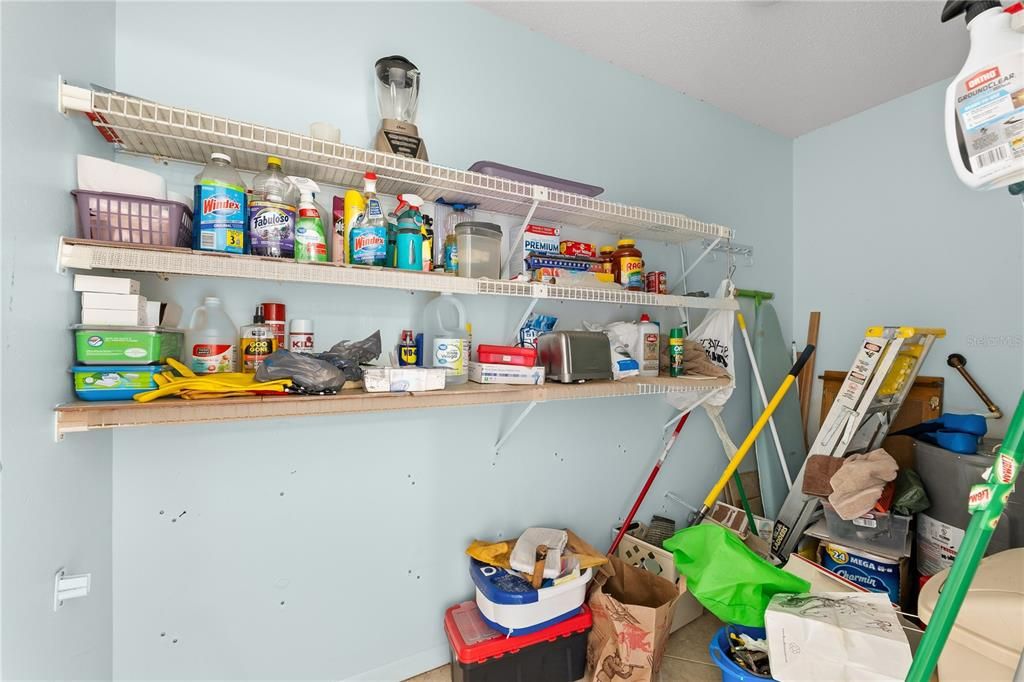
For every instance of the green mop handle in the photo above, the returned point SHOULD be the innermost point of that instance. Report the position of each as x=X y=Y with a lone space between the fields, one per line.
x=987 y=502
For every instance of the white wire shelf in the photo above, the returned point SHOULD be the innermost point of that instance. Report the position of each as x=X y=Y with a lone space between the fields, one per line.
x=159 y=130
x=85 y=416
x=80 y=254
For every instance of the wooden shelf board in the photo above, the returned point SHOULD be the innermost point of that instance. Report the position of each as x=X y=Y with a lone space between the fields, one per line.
x=85 y=415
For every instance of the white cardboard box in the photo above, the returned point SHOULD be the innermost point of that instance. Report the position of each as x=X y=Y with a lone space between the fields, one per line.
x=106 y=285
x=92 y=299
x=161 y=314
x=403 y=379
x=488 y=373
x=117 y=318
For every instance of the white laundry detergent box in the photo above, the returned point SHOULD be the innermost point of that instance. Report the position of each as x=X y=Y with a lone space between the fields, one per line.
x=540 y=239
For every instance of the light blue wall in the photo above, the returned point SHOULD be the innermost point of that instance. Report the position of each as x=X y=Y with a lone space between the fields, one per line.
x=884 y=233
x=56 y=498
x=365 y=545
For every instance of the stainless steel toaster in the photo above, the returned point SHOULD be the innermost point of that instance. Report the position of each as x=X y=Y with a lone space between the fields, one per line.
x=573 y=356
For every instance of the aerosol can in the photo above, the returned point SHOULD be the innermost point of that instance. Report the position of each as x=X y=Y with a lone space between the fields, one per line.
x=985 y=102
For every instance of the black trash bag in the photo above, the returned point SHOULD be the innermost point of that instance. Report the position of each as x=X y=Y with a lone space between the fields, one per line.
x=308 y=374
x=349 y=355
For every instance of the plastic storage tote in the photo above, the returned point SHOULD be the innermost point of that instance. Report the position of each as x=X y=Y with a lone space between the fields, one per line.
x=479 y=246
x=878 y=529
x=126 y=345
x=114 y=382
x=511 y=606
x=111 y=217
x=480 y=654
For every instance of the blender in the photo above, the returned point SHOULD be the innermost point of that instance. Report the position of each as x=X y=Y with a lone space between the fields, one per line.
x=398 y=90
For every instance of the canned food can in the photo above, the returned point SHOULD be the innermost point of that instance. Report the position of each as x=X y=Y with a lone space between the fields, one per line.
x=662 y=282
x=651 y=282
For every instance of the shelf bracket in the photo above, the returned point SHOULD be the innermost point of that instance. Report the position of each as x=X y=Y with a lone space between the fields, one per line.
x=72 y=98
x=515 y=425
x=539 y=193
x=686 y=271
x=522 y=320
x=69 y=587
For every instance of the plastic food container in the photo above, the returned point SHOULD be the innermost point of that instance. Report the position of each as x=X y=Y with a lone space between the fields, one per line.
x=878 y=529
x=511 y=606
x=479 y=246
x=481 y=654
x=126 y=345
x=507 y=355
x=114 y=382
x=111 y=217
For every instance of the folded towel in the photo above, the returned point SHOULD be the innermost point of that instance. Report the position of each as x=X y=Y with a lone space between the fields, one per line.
x=858 y=483
x=818 y=473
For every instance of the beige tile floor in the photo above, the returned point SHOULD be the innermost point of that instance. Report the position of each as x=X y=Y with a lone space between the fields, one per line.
x=686 y=657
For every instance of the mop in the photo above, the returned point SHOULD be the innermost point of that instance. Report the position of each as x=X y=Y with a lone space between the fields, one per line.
x=748 y=442
x=654 y=472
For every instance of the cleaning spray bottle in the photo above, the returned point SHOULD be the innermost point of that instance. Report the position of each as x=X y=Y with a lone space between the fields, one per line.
x=352 y=212
x=985 y=101
x=409 y=237
x=310 y=235
x=368 y=244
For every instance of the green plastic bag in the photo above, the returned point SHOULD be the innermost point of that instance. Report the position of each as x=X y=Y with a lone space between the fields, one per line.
x=726 y=577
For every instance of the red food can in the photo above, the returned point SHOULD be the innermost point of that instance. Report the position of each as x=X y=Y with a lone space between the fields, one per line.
x=656 y=282
x=662 y=282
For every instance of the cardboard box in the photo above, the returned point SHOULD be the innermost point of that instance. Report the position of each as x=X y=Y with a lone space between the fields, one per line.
x=106 y=285
x=92 y=299
x=403 y=379
x=538 y=239
x=115 y=318
x=487 y=373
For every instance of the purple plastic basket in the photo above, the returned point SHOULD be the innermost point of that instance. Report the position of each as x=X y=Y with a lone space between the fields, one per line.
x=111 y=217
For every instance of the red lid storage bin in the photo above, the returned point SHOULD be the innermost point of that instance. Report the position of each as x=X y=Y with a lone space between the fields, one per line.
x=507 y=355
x=480 y=654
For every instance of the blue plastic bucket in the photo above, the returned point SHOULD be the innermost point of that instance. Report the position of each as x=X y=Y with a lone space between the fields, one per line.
x=719 y=647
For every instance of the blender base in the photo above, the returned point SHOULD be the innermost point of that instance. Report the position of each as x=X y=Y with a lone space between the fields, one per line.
x=401 y=138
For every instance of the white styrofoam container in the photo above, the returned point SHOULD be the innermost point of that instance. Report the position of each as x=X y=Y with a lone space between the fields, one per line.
x=551 y=602
x=106 y=285
x=101 y=175
x=92 y=299
x=402 y=379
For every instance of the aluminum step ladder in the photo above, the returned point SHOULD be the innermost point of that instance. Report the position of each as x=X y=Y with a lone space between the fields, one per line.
x=872 y=394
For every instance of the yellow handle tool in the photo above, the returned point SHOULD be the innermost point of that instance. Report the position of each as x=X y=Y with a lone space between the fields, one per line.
x=748 y=442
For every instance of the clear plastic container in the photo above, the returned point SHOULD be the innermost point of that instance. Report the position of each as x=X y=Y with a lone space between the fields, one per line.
x=445 y=341
x=479 y=246
x=211 y=342
x=878 y=529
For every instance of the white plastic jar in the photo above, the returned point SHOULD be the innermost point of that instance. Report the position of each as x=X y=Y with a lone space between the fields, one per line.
x=479 y=246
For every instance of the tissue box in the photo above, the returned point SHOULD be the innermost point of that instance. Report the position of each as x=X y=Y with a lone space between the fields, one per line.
x=403 y=379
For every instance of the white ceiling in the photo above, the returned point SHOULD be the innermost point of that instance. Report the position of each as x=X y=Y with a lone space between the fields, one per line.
x=789 y=66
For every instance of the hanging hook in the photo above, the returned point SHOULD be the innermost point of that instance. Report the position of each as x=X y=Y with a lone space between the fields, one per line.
x=732 y=265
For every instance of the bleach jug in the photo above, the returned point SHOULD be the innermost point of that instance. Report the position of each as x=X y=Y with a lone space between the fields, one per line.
x=211 y=340
x=985 y=102
x=220 y=208
x=446 y=343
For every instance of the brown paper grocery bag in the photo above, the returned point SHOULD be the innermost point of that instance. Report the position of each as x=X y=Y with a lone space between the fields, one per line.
x=632 y=611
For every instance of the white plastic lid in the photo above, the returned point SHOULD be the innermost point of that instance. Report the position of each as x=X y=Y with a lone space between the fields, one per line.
x=221 y=156
x=301 y=327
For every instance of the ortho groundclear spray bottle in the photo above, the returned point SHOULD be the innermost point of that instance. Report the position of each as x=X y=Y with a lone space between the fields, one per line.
x=985 y=102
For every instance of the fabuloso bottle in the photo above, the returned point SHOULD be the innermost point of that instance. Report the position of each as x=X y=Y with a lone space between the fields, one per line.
x=272 y=212
x=220 y=210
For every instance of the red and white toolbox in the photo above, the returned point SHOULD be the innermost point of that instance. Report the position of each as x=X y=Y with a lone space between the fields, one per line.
x=481 y=654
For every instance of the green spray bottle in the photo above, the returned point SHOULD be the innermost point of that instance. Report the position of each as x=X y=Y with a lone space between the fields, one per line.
x=310 y=235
